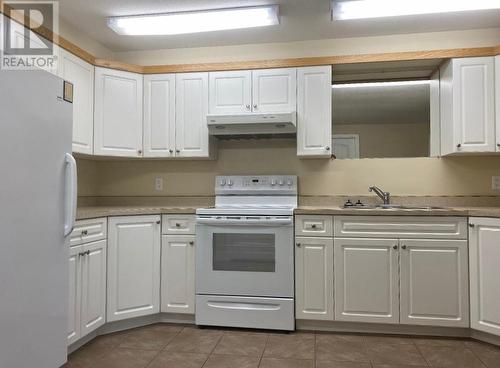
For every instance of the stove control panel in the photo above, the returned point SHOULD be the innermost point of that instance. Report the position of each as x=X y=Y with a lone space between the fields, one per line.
x=258 y=184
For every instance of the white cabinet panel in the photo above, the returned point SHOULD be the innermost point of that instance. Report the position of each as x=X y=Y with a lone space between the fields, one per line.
x=366 y=280
x=313 y=225
x=133 y=266
x=177 y=274
x=159 y=115
x=274 y=90
x=180 y=224
x=314 y=111
x=314 y=278
x=468 y=105
x=191 y=130
x=434 y=282
x=93 y=286
x=81 y=74
x=118 y=113
x=74 y=295
x=230 y=92
x=484 y=253
x=497 y=101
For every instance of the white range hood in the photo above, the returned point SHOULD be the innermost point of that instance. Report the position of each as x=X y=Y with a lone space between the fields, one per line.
x=255 y=124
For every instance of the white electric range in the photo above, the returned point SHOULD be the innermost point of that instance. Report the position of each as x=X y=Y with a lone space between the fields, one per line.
x=245 y=254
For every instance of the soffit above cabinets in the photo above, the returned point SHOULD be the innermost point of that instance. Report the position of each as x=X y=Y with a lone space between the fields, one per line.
x=300 y=20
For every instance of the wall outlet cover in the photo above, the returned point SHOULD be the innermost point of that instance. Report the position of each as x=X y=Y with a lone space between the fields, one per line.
x=495 y=182
x=159 y=184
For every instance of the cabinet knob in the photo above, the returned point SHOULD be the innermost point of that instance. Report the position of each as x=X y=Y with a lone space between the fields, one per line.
x=471 y=225
x=178 y=151
x=498 y=144
x=403 y=247
x=394 y=247
x=158 y=222
x=171 y=150
x=313 y=226
x=298 y=244
x=248 y=107
x=191 y=243
x=327 y=148
x=177 y=224
x=139 y=152
x=459 y=145
x=84 y=232
x=255 y=106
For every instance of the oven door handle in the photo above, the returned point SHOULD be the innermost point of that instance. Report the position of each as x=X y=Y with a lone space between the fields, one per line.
x=288 y=221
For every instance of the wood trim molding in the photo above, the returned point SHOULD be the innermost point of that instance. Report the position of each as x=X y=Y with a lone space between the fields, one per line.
x=118 y=65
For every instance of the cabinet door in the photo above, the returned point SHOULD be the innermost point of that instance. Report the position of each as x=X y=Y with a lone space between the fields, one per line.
x=177 y=273
x=191 y=131
x=93 y=307
x=484 y=253
x=74 y=295
x=434 y=282
x=118 y=113
x=497 y=99
x=230 y=92
x=468 y=105
x=274 y=90
x=366 y=280
x=314 y=278
x=133 y=267
x=314 y=111
x=81 y=74
x=159 y=115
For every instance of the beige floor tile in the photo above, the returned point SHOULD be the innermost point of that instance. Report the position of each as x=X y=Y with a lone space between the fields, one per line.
x=167 y=359
x=341 y=337
x=453 y=357
x=330 y=364
x=423 y=341
x=296 y=346
x=386 y=339
x=154 y=337
x=405 y=354
x=111 y=340
x=398 y=366
x=126 y=358
x=231 y=361
x=286 y=363
x=193 y=340
x=87 y=356
x=241 y=344
x=488 y=354
x=331 y=347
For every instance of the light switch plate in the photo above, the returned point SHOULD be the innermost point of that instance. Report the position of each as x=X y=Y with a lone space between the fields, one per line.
x=495 y=182
x=159 y=184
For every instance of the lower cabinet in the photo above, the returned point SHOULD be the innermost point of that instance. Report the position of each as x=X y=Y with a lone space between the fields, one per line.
x=484 y=250
x=178 y=274
x=87 y=289
x=133 y=266
x=366 y=280
x=314 y=278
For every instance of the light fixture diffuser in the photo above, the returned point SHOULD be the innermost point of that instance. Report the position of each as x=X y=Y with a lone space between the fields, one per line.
x=195 y=21
x=381 y=84
x=363 y=9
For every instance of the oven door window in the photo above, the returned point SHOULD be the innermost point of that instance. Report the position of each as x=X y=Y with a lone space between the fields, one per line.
x=244 y=252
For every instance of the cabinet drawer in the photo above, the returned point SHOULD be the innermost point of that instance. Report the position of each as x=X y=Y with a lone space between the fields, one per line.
x=400 y=227
x=312 y=225
x=178 y=224
x=87 y=231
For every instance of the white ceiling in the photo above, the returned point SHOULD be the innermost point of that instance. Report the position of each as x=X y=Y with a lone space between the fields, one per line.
x=300 y=20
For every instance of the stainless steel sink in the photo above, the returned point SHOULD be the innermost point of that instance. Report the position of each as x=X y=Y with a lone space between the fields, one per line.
x=394 y=207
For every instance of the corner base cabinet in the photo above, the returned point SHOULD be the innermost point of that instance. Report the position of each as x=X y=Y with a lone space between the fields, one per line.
x=133 y=266
x=484 y=259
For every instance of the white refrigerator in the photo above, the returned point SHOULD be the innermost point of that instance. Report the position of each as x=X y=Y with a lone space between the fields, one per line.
x=37 y=213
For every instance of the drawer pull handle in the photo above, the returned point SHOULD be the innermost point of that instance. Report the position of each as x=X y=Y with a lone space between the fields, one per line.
x=177 y=224
x=85 y=232
x=191 y=243
x=313 y=226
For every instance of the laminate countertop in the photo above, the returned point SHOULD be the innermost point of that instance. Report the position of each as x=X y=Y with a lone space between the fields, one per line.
x=86 y=212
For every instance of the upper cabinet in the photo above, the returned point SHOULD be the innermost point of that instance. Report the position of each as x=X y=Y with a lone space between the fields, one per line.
x=467 y=95
x=81 y=75
x=497 y=100
x=314 y=111
x=191 y=130
x=118 y=113
x=257 y=91
x=159 y=115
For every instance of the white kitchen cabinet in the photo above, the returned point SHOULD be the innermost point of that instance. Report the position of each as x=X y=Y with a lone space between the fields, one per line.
x=497 y=101
x=314 y=278
x=81 y=75
x=434 y=282
x=191 y=130
x=314 y=111
x=484 y=260
x=74 y=294
x=230 y=92
x=178 y=274
x=118 y=113
x=159 y=115
x=133 y=282
x=366 y=280
x=467 y=93
x=274 y=90
x=93 y=287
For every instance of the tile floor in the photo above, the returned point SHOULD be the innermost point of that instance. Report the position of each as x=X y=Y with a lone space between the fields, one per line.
x=173 y=346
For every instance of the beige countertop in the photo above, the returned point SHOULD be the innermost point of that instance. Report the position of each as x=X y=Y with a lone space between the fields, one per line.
x=86 y=212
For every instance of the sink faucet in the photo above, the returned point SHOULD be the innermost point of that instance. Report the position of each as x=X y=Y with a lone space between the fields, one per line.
x=385 y=196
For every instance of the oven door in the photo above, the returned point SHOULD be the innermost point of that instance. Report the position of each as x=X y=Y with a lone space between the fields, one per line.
x=245 y=256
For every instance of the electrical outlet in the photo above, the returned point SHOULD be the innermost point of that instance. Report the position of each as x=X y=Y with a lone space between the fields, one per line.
x=159 y=184
x=495 y=182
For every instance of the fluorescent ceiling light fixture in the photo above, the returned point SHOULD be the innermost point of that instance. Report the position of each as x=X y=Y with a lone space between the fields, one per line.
x=362 y=9
x=195 y=21
x=381 y=84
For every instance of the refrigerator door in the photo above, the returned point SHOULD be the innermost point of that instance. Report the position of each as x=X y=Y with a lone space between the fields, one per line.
x=36 y=207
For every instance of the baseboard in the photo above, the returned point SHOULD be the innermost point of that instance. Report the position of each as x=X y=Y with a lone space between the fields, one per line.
x=485 y=337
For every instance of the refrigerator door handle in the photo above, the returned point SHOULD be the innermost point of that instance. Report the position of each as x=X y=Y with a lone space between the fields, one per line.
x=70 y=194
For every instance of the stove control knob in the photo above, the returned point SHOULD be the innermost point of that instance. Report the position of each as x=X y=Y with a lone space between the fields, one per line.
x=222 y=182
x=282 y=183
x=230 y=183
x=289 y=182
x=273 y=182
